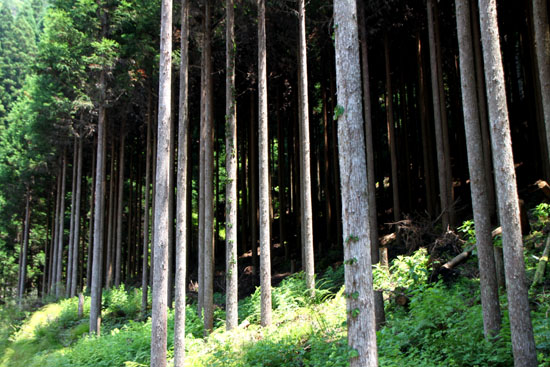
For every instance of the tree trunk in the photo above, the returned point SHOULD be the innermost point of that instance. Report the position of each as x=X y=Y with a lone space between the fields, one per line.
x=391 y=133
x=231 y=200
x=371 y=186
x=351 y=148
x=99 y=217
x=480 y=201
x=120 y=209
x=76 y=239
x=160 y=219
x=111 y=214
x=523 y=343
x=440 y=145
x=182 y=239
x=208 y=176
x=53 y=261
x=263 y=145
x=305 y=169
x=24 y=248
x=542 y=47
x=253 y=188
x=59 y=261
x=72 y=223
x=145 y=264
x=91 y=225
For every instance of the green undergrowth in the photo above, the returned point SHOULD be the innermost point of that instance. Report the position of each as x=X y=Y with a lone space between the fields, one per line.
x=441 y=325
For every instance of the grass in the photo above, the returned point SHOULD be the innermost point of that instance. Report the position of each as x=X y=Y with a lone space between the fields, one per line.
x=441 y=325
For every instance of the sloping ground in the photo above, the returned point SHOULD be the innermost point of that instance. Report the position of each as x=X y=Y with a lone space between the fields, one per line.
x=440 y=326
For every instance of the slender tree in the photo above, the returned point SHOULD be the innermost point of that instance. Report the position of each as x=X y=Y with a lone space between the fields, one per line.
x=305 y=159
x=182 y=214
x=160 y=219
x=523 y=342
x=72 y=223
x=351 y=149
x=480 y=199
x=371 y=186
x=231 y=201
x=76 y=238
x=442 y=165
x=263 y=161
x=120 y=208
x=59 y=261
x=24 y=247
x=146 y=209
x=542 y=47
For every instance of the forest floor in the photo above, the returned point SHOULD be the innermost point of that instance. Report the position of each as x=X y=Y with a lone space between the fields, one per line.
x=438 y=324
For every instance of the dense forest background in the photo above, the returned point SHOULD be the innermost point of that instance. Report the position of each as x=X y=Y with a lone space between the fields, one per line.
x=69 y=66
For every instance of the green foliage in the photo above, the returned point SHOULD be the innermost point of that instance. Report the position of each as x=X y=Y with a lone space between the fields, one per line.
x=468 y=230
x=405 y=272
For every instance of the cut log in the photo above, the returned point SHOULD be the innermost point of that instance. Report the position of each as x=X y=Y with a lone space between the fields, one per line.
x=539 y=273
x=386 y=239
x=544 y=187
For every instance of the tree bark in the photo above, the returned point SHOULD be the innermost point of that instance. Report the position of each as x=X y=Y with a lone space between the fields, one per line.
x=99 y=217
x=160 y=219
x=391 y=133
x=263 y=146
x=523 y=343
x=145 y=264
x=182 y=239
x=542 y=47
x=371 y=186
x=76 y=239
x=110 y=218
x=208 y=176
x=24 y=248
x=480 y=200
x=231 y=200
x=72 y=222
x=351 y=148
x=120 y=208
x=91 y=225
x=305 y=161
x=59 y=262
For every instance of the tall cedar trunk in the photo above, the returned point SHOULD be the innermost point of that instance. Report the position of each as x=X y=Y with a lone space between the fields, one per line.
x=132 y=198
x=72 y=222
x=59 y=261
x=480 y=200
x=326 y=171
x=371 y=186
x=542 y=47
x=263 y=167
x=145 y=259
x=153 y=203
x=444 y=120
x=182 y=239
x=482 y=102
x=91 y=223
x=160 y=219
x=351 y=148
x=171 y=212
x=110 y=228
x=253 y=187
x=208 y=176
x=47 y=249
x=426 y=152
x=99 y=217
x=24 y=247
x=53 y=260
x=441 y=163
x=305 y=169
x=202 y=133
x=120 y=208
x=280 y=180
x=231 y=165
x=523 y=343
x=76 y=239
x=391 y=133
